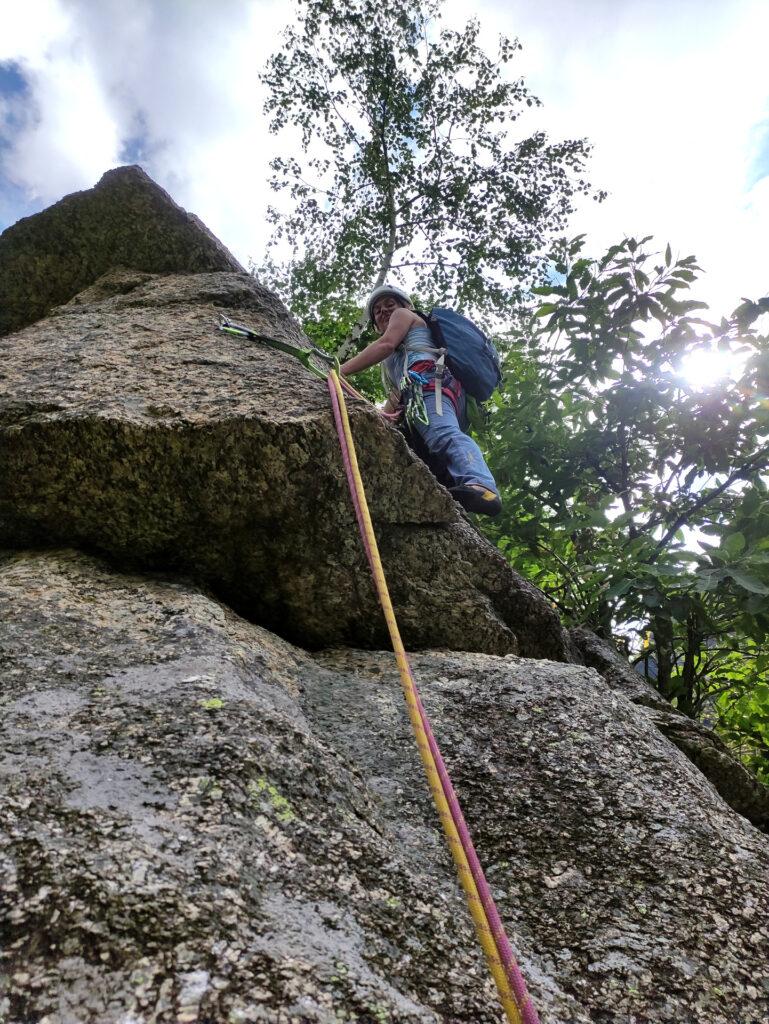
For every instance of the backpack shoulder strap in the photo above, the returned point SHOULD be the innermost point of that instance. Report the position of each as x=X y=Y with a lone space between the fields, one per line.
x=431 y=324
x=440 y=353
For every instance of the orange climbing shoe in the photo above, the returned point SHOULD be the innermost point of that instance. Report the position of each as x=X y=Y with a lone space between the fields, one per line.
x=474 y=498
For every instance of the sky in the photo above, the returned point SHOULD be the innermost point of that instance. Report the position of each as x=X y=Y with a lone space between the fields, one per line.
x=672 y=94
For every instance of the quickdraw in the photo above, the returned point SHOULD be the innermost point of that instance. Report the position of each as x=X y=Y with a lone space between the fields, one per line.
x=413 y=399
x=304 y=355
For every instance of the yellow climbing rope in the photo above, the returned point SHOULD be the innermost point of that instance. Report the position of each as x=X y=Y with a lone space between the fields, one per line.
x=482 y=926
x=514 y=997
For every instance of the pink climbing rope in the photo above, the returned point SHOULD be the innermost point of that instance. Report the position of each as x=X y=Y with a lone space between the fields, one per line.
x=505 y=953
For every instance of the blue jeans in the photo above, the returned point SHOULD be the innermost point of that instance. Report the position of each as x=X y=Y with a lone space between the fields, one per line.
x=451 y=454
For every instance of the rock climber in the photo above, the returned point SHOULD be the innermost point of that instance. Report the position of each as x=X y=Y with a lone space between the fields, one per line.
x=407 y=352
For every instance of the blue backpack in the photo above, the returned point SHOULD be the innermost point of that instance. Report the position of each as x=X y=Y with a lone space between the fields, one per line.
x=470 y=355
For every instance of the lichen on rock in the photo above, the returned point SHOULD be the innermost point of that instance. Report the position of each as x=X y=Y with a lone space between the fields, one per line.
x=741 y=790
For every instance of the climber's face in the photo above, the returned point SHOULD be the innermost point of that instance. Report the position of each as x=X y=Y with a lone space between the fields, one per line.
x=383 y=310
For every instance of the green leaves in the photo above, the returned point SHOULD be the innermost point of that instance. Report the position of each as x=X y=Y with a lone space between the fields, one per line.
x=409 y=165
x=743 y=711
x=613 y=467
x=733 y=543
x=746 y=581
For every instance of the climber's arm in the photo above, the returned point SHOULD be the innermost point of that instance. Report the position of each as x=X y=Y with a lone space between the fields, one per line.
x=397 y=329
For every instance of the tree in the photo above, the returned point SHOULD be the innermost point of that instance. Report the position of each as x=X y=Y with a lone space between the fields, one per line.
x=611 y=463
x=409 y=161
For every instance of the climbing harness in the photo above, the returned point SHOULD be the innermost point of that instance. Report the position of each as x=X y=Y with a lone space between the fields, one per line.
x=494 y=942
x=511 y=987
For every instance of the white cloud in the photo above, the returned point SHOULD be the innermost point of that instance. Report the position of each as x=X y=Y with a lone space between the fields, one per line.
x=66 y=135
x=182 y=73
x=673 y=94
x=71 y=137
x=187 y=70
x=670 y=93
x=29 y=28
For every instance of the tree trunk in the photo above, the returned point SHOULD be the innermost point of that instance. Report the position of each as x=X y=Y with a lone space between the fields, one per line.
x=663 y=641
x=686 y=697
x=351 y=343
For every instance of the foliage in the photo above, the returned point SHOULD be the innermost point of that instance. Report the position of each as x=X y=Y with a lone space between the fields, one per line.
x=612 y=464
x=410 y=164
x=327 y=320
x=743 y=714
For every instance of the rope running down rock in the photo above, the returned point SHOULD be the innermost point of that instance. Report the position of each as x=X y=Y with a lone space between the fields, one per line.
x=511 y=986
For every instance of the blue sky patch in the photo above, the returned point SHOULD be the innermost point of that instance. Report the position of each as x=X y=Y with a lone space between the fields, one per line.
x=137 y=148
x=14 y=201
x=133 y=151
x=759 y=165
x=12 y=80
x=13 y=86
x=15 y=204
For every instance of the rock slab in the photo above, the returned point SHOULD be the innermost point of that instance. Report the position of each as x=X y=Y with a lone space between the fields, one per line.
x=131 y=427
x=125 y=220
x=739 y=787
x=202 y=823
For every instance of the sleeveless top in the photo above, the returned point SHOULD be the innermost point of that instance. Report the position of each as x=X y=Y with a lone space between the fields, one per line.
x=417 y=346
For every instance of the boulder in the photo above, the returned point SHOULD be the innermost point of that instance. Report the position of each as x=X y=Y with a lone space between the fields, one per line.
x=739 y=787
x=202 y=823
x=126 y=219
x=131 y=427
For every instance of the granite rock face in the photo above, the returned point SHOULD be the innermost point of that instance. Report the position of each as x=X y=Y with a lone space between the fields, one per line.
x=126 y=219
x=131 y=427
x=202 y=823
x=702 y=746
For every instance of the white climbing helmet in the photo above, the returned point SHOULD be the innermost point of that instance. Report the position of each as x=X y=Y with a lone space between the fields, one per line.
x=380 y=293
